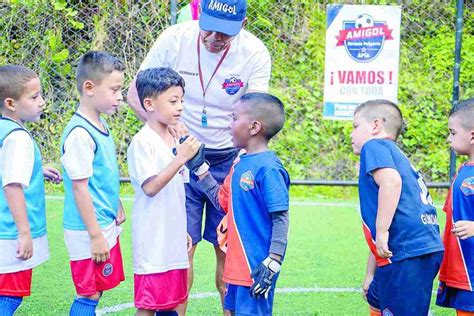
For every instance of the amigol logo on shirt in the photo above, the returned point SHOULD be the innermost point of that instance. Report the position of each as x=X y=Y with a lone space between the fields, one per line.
x=467 y=186
x=246 y=181
x=232 y=85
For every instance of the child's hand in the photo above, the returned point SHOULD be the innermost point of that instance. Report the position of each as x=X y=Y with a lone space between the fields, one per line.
x=190 y=243
x=365 y=285
x=52 y=175
x=187 y=149
x=179 y=130
x=100 y=249
x=463 y=229
x=381 y=241
x=25 y=247
x=120 y=216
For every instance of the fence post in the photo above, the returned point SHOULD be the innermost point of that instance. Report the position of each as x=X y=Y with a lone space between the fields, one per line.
x=174 y=11
x=457 y=71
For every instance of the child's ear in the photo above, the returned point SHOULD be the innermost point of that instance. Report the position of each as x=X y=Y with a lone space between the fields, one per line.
x=377 y=126
x=255 y=128
x=148 y=104
x=472 y=137
x=88 y=88
x=9 y=104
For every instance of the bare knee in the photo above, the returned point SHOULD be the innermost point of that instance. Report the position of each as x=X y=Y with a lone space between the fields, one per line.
x=95 y=297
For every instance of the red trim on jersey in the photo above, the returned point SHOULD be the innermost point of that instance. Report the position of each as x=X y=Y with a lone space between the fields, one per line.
x=453 y=269
x=16 y=283
x=373 y=248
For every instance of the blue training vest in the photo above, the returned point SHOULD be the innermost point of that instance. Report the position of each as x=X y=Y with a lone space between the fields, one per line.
x=34 y=194
x=103 y=184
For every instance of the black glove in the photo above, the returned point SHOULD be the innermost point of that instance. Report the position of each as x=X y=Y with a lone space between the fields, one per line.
x=195 y=163
x=263 y=276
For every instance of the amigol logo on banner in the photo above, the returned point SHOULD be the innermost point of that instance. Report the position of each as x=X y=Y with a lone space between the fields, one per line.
x=362 y=57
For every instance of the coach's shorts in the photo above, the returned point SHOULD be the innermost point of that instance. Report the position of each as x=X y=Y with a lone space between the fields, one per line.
x=238 y=300
x=161 y=291
x=90 y=277
x=455 y=298
x=404 y=287
x=220 y=161
x=16 y=283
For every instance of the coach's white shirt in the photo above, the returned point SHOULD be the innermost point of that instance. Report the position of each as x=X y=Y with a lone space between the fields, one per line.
x=16 y=161
x=159 y=233
x=247 y=64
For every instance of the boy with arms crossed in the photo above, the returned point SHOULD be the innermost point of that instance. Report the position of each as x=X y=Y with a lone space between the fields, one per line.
x=255 y=197
x=399 y=219
x=92 y=208
x=160 y=255
x=457 y=269
x=23 y=239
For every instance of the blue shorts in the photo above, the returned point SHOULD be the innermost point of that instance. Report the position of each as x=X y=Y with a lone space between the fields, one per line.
x=238 y=300
x=455 y=298
x=220 y=161
x=404 y=287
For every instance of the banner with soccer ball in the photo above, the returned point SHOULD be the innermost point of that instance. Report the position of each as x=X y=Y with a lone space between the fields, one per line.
x=362 y=57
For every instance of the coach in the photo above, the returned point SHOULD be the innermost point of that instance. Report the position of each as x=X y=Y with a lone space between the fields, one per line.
x=219 y=62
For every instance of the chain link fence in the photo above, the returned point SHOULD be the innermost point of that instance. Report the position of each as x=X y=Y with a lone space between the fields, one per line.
x=50 y=37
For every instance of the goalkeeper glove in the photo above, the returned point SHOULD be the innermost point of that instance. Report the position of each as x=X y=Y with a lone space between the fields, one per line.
x=263 y=276
x=198 y=163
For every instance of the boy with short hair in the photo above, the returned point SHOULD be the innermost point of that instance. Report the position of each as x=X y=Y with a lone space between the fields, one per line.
x=255 y=197
x=23 y=239
x=399 y=219
x=92 y=207
x=159 y=234
x=457 y=269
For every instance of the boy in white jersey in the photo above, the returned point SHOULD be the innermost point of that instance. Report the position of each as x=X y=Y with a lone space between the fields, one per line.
x=23 y=239
x=92 y=208
x=160 y=256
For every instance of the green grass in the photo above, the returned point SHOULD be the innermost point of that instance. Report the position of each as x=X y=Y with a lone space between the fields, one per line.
x=326 y=250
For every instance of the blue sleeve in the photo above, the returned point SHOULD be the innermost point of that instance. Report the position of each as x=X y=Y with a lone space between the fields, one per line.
x=274 y=186
x=376 y=155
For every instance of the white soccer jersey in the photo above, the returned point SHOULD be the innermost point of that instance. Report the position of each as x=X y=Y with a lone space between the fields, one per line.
x=159 y=236
x=247 y=66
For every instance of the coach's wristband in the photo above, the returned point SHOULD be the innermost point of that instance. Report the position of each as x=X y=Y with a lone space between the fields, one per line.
x=202 y=169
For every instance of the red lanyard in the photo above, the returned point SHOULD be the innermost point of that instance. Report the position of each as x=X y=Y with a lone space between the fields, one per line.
x=215 y=70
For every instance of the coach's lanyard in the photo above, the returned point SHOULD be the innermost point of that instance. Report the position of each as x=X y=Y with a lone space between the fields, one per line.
x=204 y=89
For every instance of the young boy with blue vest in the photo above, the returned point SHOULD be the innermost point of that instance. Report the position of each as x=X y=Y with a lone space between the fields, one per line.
x=399 y=219
x=92 y=208
x=23 y=239
x=256 y=199
x=456 y=275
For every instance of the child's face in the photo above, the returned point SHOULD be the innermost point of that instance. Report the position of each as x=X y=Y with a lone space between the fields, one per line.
x=29 y=107
x=167 y=107
x=361 y=133
x=459 y=139
x=108 y=93
x=240 y=125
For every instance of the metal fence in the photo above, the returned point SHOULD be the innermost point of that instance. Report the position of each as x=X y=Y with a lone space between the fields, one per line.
x=50 y=37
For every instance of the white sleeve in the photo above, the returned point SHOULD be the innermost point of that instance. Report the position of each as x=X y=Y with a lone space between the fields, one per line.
x=79 y=151
x=160 y=54
x=18 y=158
x=142 y=163
x=260 y=77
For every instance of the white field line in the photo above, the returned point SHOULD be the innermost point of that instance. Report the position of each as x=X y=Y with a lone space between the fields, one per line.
x=121 y=307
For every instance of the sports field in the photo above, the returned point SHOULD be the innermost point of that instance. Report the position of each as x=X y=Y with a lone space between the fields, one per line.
x=321 y=275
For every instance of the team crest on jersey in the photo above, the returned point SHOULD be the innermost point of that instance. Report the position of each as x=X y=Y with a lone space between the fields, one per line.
x=107 y=270
x=467 y=186
x=232 y=85
x=387 y=312
x=363 y=37
x=246 y=181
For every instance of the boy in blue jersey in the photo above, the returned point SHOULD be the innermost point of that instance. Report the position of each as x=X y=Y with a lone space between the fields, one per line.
x=23 y=239
x=92 y=208
x=255 y=197
x=399 y=219
x=457 y=269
